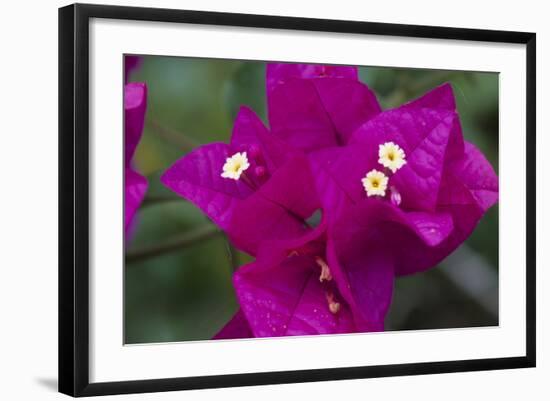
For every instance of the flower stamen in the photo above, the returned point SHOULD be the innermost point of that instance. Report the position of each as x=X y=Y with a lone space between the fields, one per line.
x=333 y=306
x=325 y=270
x=293 y=253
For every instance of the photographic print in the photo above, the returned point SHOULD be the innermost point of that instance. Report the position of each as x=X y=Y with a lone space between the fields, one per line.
x=355 y=195
x=268 y=199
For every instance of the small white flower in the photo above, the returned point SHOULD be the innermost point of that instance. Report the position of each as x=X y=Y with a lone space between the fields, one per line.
x=391 y=156
x=235 y=165
x=375 y=183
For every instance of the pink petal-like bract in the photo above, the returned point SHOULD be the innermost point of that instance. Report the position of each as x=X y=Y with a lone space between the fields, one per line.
x=278 y=209
x=281 y=293
x=135 y=104
x=279 y=73
x=135 y=185
x=444 y=188
x=237 y=327
x=317 y=106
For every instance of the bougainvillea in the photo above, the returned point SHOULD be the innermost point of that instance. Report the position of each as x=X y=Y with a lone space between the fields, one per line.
x=135 y=185
x=256 y=188
x=398 y=191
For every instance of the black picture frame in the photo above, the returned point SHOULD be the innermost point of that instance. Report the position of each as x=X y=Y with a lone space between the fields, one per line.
x=74 y=198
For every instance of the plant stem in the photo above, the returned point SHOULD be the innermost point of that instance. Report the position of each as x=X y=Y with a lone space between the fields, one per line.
x=173 y=136
x=173 y=244
x=153 y=200
x=233 y=256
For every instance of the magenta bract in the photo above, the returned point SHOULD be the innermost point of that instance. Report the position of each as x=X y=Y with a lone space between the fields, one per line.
x=135 y=185
x=292 y=288
x=237 y=327
x=444 y=188
x=314 y=106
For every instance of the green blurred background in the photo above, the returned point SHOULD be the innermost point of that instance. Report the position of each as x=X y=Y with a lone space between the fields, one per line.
x=178 y=267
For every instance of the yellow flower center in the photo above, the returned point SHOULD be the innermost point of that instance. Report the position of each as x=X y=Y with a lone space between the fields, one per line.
x=375 y=183
x=235 y=165
x=391 y=156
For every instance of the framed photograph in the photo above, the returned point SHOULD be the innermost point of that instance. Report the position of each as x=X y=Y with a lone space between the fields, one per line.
x=250 y=199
